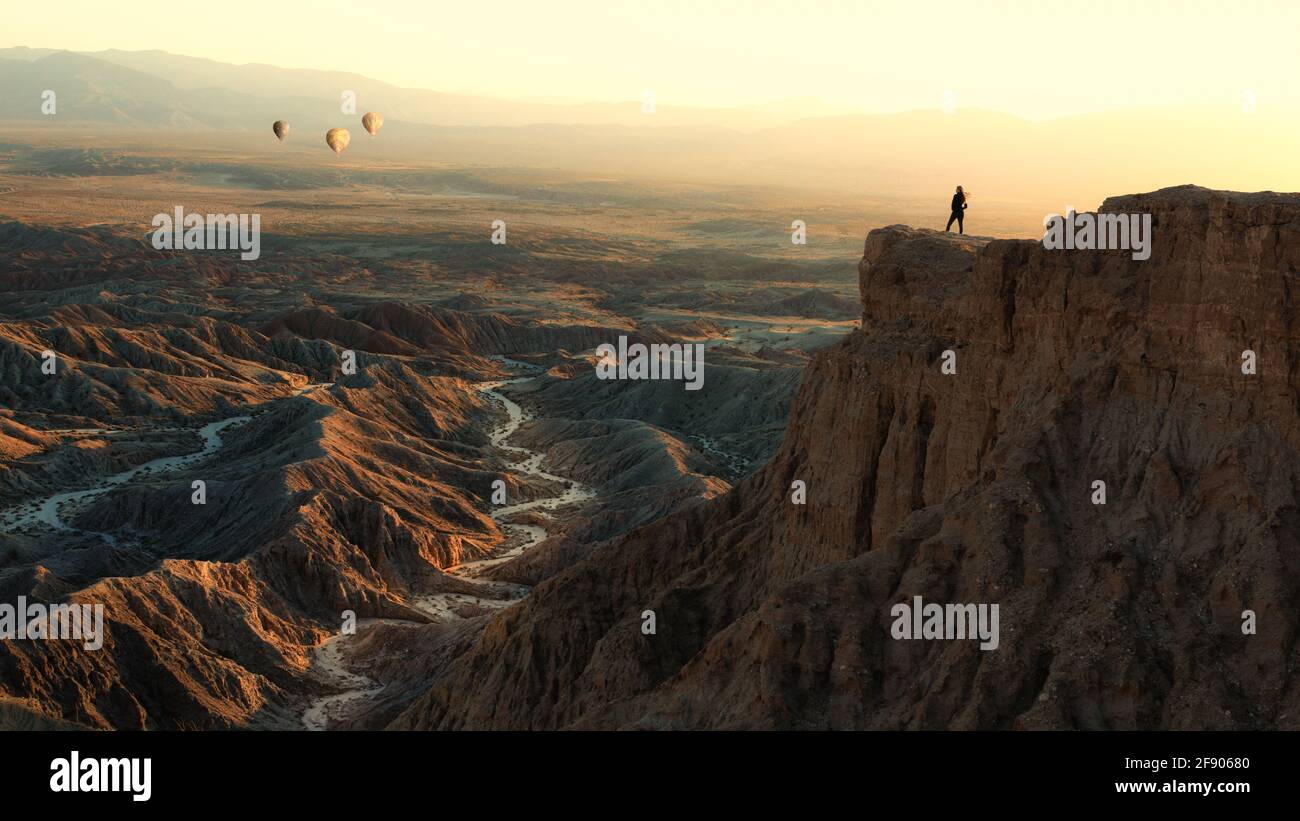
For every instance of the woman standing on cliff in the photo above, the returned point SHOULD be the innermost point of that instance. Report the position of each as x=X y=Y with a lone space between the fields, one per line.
x=958 y=209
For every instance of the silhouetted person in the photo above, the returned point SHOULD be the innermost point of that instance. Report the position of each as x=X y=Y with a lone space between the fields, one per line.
x=958 y=212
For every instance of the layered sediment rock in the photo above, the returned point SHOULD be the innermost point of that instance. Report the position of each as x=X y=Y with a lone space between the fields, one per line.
x=1072 y=367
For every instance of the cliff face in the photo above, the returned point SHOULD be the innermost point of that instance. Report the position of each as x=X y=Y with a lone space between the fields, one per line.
x=975 y=487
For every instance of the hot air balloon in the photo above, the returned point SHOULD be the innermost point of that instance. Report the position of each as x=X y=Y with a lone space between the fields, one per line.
x=338 y=139
x=372 y=122
x=280 y=128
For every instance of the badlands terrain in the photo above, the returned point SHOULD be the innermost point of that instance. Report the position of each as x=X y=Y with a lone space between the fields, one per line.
x=359 y=528
x=975 y=485
x=467 y=530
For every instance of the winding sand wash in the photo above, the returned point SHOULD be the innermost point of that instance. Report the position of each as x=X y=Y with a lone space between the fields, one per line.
x=47 y=510
x=529 y=464
x=328 y=659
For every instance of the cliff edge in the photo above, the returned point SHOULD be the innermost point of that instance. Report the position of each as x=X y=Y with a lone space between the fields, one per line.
x=951 y=449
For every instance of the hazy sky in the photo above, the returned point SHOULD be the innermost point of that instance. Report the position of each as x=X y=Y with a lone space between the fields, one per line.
x=1036 y=59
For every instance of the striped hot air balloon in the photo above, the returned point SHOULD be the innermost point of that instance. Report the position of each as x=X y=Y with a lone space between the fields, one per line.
x=372 y=122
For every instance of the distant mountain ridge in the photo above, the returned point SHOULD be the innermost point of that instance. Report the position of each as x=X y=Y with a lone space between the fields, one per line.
x=1013 y=166
x=315 y=93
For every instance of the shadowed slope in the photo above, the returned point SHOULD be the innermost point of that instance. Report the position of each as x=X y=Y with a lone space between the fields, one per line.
x=973 y=487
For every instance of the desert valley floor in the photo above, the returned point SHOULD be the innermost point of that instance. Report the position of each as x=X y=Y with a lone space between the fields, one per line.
x=361 y=495
x=372 y=478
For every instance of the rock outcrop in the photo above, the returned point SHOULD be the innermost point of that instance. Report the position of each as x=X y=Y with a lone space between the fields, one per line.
x=979 y=486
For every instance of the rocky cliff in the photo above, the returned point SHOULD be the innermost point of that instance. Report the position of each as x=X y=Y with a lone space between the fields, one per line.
x=978 y=486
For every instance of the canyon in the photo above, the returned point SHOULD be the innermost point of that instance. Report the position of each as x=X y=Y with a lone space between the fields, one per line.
x=971 y=487
x=339 y=500
x=349 y=404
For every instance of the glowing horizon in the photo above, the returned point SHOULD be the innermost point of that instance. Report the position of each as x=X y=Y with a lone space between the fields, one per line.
x=1018 y=57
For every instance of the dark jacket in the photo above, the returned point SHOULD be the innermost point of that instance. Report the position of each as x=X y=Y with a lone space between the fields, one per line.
x=958 y=202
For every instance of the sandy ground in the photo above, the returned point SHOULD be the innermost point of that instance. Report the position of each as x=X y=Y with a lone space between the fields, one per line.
x=328 y=661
